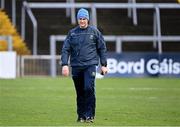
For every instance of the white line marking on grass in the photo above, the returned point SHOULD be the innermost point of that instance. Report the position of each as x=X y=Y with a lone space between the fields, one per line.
x=140 y=89
x=145 y=89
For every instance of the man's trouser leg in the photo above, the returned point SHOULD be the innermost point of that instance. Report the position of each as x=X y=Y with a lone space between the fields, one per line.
x=89 y=89
x=78 y=79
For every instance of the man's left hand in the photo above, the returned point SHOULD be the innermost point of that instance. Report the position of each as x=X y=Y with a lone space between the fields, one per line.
x=104 y=70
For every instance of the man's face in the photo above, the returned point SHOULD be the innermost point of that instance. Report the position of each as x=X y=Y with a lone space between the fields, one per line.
x=83 y=22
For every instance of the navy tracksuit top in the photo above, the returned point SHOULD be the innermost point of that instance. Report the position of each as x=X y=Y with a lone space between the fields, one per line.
x=85 y=47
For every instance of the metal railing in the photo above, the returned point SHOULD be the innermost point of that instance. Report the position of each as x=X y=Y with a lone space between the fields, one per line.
x=9 y=41
x=94 y=6
x=37 y=65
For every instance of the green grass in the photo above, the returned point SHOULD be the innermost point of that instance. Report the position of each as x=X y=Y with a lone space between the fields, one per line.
x=120 y=102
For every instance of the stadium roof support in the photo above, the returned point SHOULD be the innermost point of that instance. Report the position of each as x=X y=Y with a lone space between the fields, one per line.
x=13 y=9
x=2 y=4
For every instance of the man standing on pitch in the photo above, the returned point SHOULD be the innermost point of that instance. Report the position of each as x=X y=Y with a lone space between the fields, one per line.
x=85 y=46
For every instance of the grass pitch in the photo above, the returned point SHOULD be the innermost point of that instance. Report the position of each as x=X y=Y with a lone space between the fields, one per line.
x=120 y=102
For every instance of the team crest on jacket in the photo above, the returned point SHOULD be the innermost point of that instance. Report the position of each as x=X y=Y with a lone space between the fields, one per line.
x=72 y=34
x=91 y=37
x=93 y=74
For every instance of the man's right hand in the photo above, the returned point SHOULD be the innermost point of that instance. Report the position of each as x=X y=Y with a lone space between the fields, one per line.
x=65 y=70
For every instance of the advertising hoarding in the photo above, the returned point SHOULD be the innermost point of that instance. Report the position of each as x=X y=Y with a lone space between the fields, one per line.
x=143 y=65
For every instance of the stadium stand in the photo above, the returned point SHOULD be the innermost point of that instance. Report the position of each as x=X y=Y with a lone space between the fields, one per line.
x=7 y=29
x=110 y=22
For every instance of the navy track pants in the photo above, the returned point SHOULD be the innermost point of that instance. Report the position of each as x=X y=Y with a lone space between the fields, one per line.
x=84 y=81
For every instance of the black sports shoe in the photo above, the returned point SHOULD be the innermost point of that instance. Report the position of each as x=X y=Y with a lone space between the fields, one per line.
x=90 y=119
x=81 y=120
